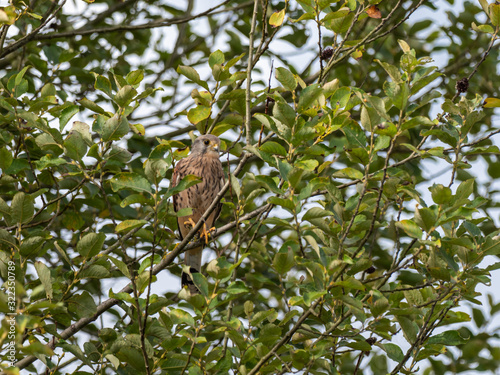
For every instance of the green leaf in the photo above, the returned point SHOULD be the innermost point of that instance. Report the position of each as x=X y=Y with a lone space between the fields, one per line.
x=398 y=93
x=76 y=351
x=419 y=84
x=260 y=316
x=82 y=305
x=416 y=121
x=341 y=24
x=283 y=261
x=295 y=176
x=378 y=105
x=286 y=78
x=179 y=316
x=74 y=146
x=66 y=115
x=49 y=161
x=216 y=57
x=273 y=148
x=350 y=173
x=20 y=75
x=121 y=266
x=369 y=118
x=381 y=142
x=404 y=46
x=155 y=169
x=115 y=128
x=7 y=241
x=410 y=228
x=440 y=194
x=219 y=268
x=91 y=244
x=135 y=77
x=308 y=96
x=450 y=107
x=280 y=129
x=379 y=307
x=426 y=218
x=86 y=103
x=464 y=190
x=351 y=283
x=31 y=246
x=17 y=166
x=23 y=208
x=43 y=273
x=183 y=184
x=409 y=327
x=393 y=351
x=191 y=74
x=310 y=297
x=125 y=95
x=491 y=247
x=128 y=225
x=484 y=5
x=269 y=183
x=5 y=158
x=130 y=181
x=494 y=13
x=285 y=203
x=103 y=84
x=393 y=71
x=316 y=213
x=482 y=28
x=451 y=338
x=284 y=113
x=5 y=209
x=198 y=113
x=237 y=287
x=235 y=184
x=201 y=283
x=94 y=271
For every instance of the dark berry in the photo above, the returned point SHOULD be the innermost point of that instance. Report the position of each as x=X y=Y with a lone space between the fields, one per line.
x=371 y=269
x=371 y=340
x=462 y=85
x=327 y=53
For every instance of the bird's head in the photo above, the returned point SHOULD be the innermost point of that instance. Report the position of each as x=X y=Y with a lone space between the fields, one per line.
x=206 y=144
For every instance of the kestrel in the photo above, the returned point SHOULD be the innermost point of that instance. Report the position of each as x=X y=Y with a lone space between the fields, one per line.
x=203 y=162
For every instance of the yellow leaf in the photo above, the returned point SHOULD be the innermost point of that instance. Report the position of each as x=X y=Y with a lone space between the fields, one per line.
x=277 y=18
x=491 y=103
x=357 y=54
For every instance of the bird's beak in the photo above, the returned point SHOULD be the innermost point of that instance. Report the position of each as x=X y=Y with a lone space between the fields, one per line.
x=215 y=147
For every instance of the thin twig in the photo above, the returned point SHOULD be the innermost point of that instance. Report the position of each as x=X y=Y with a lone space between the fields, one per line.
x=102 y=30
x=21 y=42
x=248 y=118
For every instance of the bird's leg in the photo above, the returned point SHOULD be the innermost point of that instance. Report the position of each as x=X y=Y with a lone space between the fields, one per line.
x=189 y=223
x=206 y=233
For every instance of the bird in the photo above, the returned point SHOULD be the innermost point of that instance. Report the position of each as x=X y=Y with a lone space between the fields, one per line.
x=203 y=161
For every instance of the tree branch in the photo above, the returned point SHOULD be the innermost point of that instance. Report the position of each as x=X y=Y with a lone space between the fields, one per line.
x=31 y=36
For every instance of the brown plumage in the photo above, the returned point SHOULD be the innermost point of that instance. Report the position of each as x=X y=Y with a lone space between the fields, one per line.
x=203 y=162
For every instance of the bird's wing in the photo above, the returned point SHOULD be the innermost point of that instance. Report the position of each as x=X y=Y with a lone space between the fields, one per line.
x=181 y=199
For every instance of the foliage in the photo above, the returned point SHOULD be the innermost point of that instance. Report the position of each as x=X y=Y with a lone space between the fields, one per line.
x=338 y=248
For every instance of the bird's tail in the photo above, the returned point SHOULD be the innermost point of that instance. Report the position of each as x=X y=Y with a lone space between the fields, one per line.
x=193 y=260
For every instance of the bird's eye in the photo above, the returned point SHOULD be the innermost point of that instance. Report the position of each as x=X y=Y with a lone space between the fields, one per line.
x=207 y=142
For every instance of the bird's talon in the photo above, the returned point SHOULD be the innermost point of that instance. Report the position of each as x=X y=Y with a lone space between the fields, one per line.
x=207 y=233
x=190 y=222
